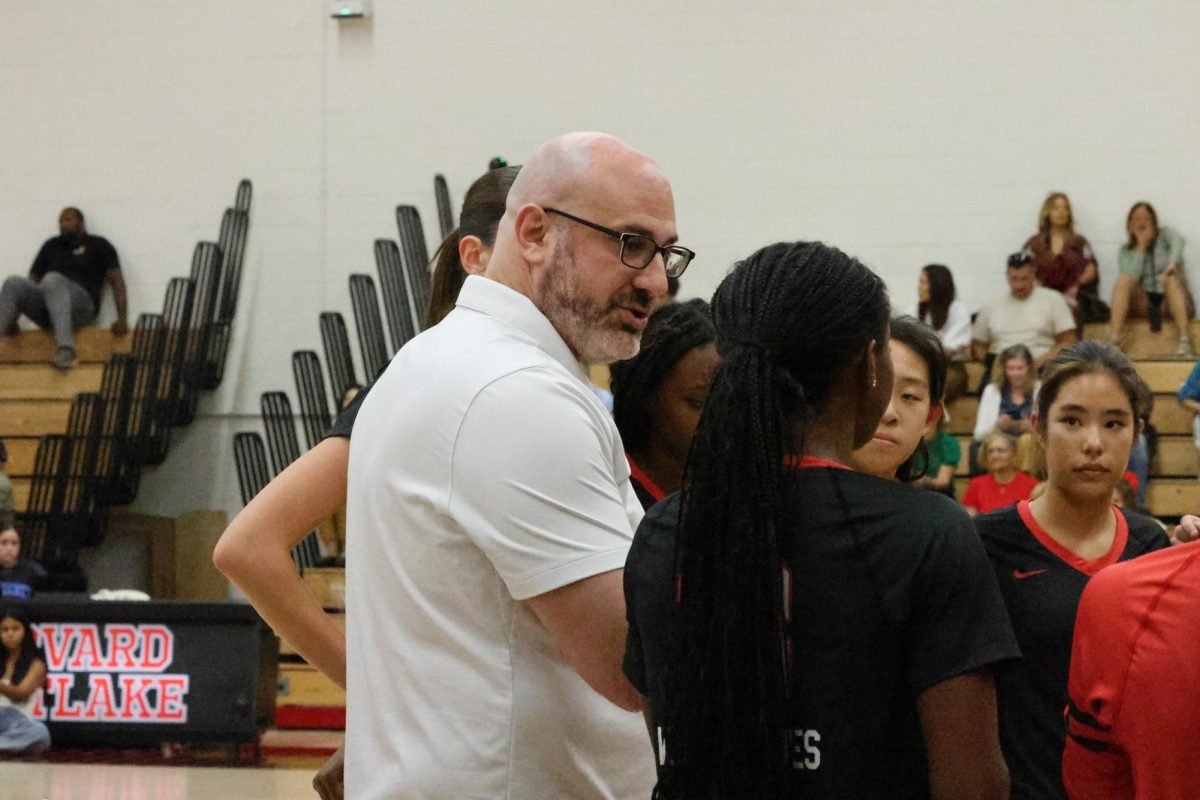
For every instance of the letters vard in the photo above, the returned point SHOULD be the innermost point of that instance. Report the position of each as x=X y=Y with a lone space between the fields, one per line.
x=113 y=673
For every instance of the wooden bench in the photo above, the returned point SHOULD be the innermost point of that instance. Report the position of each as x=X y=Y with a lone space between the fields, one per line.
x=92 y=345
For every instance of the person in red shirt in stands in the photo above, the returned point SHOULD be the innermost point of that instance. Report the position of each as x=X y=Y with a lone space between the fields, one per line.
x=1002 y=485
x=1134 y=685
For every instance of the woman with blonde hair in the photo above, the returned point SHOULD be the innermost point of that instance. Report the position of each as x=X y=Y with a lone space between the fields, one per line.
x=1063 y=260
x=1006 y=405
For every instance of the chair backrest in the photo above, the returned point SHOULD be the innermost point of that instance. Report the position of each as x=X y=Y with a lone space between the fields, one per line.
x=149 y=348
x=47 y=492
x=245 y=190
x=250 y=459
x=280 y=426
x=115 y=460
x=403 y=324
x=415 y=255
x=370 y=328
x=445 y=211
x=315 y=416
x=206 y=277
x=176 y=317
x=336 y=343
x=234 y=225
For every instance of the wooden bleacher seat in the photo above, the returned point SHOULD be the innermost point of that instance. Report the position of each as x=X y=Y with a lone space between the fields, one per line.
x=92 y=345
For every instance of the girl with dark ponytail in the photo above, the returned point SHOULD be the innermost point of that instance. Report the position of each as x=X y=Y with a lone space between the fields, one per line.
x=802 y=630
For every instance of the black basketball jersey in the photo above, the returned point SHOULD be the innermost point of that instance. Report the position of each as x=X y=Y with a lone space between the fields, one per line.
x=1042 y=582
x=891 y=594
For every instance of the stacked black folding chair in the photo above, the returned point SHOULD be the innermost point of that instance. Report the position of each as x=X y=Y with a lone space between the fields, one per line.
x=116 y=458
x=176 y=320
x=206 y=278
x=234 y=225
x=415 y=256
x=445 y=212
x=336 y=343
x=47 y=539
x=284 y=448
x=403 y=323
x=315 y=416
x=365 y=303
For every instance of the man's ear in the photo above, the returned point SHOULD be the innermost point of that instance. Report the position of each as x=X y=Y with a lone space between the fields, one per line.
x=533 y=233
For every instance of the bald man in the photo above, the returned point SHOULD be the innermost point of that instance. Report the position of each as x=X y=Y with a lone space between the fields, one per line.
x=490 y=501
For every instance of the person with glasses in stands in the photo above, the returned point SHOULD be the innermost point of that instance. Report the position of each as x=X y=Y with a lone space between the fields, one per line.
x=486 y=575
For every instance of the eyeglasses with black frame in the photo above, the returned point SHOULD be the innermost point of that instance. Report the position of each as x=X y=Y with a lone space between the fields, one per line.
x=637 y=250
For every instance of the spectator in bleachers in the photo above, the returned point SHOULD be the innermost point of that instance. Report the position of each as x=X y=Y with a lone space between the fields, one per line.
x=1189 y=397
x=1152 y=273
x=939 y=308
x=62 y=291
x=1003 y=484
x=1006 y=405
x=1063 y=260
x=1028 y=314
x=22 y=677
x=659 y=393
x=8 y=508
x=19 y=577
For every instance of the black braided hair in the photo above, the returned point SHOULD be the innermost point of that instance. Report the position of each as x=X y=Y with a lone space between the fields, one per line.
x=789 y=319
x=924 y=342
x=673 y=331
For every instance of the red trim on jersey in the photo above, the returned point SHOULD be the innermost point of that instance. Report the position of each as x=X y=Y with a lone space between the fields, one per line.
x=810 y=462
x=1086 y=566
x=644 y=479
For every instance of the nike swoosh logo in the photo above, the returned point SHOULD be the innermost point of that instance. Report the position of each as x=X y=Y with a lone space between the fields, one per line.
x=1022 y=575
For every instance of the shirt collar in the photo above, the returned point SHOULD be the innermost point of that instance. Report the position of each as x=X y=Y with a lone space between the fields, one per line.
x=493 y=298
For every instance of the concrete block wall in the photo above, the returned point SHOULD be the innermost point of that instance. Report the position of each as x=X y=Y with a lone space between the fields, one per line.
x=905 y=133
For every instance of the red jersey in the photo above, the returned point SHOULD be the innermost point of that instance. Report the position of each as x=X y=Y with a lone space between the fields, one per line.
x=1134 y=712
x=984 y=494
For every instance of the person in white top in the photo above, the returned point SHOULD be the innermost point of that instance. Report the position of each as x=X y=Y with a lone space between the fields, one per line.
x=1028 y=314
x=939 y=308
x=492 y=511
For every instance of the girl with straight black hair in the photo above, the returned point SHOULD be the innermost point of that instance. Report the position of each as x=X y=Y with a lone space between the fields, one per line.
x=800 y=629
x=22 y=676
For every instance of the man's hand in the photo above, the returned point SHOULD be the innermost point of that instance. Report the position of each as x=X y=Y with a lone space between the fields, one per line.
x=120 y=328
x=328 y=781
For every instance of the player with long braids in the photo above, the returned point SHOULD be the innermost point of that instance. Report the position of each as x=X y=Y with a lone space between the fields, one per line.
x=818 y=632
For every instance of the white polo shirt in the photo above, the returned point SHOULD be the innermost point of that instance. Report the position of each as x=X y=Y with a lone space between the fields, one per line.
x=483 y=472
x=1033 y=322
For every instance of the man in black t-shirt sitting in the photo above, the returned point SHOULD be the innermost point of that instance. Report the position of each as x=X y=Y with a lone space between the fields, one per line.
x=62 y=291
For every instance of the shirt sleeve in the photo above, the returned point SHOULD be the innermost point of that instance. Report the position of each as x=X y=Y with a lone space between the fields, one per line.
x=989 y=411
x=1191 y=387
x=539 y=484
x=1175 y=244
x=959 y=622
x=981 y=330
x=108 y=257
x=343 y=425
x=1129 y=262
x=971 y=496
x=41 y=262
x=1094 y=764
x=958 y=327
x=1064 y=320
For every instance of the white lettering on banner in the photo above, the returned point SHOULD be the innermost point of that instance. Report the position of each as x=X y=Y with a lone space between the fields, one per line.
x=118 y=665
x=806 y=755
